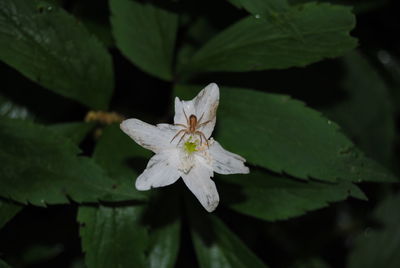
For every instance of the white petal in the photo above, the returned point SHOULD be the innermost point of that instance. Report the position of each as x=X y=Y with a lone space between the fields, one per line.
x=155 y=138
x=204 y=104
x=182 y=108
x=199 y=182
x=161 y=171
x=225 y=162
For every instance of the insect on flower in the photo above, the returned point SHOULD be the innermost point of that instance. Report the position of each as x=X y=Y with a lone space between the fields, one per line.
x=194 y=157
x=192 y=127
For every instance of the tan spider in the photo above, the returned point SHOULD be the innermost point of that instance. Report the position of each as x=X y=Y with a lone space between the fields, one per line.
x=192 y=128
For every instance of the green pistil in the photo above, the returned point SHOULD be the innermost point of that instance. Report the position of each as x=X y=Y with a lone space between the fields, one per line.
x=190 y=147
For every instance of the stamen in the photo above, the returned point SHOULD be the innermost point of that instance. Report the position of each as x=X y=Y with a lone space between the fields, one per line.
x=190 y=147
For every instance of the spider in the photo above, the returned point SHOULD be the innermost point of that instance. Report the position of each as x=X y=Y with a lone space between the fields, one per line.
x=192 y=128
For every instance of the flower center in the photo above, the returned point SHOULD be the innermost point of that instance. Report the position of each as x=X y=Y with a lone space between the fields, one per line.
x=190 y=147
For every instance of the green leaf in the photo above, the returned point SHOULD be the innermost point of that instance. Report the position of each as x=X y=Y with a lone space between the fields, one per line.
x=271 y=197
x=164 y=246
x=41 y=167
x=52 y=48
x=96 y=20
x=163 y=216
x=379 y=247
x=283 y=135
x=145 y=33
x=121 y=158
x=7 y=211
x=276 y=12
x=75 y=131
x=217 y=246
x=147 y=236
x=198 y=31
x=366 y=113
x=254 y=44
x=113 y=237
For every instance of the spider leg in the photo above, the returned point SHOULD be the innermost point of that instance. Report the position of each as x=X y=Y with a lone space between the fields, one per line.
x=203 y=124
x=187 y=120
x=201 y=117
x=184 y=134
x=179 y=132
x=201 y=134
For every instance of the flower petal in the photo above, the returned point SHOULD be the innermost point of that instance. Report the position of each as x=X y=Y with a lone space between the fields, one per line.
x=225 y=162
x=202 y=186
x=155 y=138
x=204 y=104
x=182 y=108
x=160 y=171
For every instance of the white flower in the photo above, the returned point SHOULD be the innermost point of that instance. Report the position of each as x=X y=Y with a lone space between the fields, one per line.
x=186 y=148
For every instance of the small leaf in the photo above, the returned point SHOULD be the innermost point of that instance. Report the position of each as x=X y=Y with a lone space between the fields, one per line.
x=283 y=135
x=254 y=44
x=145 y=33
x=143 y=235
x=271 y=197
x=41 y=167
x=113 y=237
x=50 y=47
x=7 y=211
x=217 y=246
